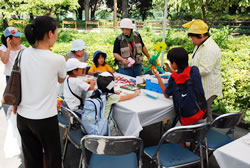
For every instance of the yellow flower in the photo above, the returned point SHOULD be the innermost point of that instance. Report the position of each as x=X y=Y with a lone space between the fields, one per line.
x=160 y=46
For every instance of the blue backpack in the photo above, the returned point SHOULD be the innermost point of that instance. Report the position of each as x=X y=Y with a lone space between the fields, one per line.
x=190 y=105
x=93 y=118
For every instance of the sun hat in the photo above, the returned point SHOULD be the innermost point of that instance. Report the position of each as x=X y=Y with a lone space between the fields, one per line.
x=78 y=45
x=12 y=31
x=99 y=52
x=74 y=63
x=126 y=23
x=196 y=27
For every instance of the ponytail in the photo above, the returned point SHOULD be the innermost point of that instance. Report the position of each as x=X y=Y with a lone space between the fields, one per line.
x=39 y=27
x=29 y=33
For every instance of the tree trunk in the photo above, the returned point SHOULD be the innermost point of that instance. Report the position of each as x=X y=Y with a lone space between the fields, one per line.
x=86 y=8
x=203 y=8
x=124 y=8
x=93 y=9
x=232 y=10
x=79 y=13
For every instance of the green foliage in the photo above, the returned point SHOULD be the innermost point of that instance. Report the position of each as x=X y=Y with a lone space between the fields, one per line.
x=235 y=60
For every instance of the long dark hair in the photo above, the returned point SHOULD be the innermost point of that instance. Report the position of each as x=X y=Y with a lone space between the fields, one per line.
x=4 y=40
x=39 y=27
x=102 y=83
x=96 y=59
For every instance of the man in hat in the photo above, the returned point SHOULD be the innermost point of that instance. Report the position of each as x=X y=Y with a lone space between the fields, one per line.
x=129 y=49
x=206 y=56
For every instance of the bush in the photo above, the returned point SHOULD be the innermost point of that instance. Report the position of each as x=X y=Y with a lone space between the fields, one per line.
x=234 y=63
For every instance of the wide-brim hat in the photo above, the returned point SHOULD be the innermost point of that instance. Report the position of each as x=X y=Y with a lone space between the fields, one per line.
x=126 y=23
x=11 y=31
x=78 y=45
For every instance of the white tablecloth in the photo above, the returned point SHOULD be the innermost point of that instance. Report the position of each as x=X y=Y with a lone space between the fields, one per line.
x=235 y=154
x=132 y=115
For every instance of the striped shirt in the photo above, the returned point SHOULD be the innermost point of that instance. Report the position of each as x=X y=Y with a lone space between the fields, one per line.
x=207 y=59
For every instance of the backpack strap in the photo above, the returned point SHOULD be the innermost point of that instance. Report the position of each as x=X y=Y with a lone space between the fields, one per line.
x=78 y=97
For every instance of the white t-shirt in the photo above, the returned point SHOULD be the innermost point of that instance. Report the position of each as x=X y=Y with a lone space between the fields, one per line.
x=12 y=57
x=78 y=87
x=40 y=70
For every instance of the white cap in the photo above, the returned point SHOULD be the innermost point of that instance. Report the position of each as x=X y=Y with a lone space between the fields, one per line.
x=78 y=45
x=126 y=23
x=74 y=63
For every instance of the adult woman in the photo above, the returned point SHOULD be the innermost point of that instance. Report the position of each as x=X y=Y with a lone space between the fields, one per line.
x=206 y=57
x=129 y=44
x=41 y=69
x=78 y=52
x=11 y=46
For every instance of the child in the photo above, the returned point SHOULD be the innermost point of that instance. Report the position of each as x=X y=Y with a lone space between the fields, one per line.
x=11 y=40
x=74 y=88
x=178 y=58
x=78 y=52
x=99 y=64
x=105 y=83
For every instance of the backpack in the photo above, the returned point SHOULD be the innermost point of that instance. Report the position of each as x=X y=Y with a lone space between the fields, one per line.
x=93 y=118
x=190 y=105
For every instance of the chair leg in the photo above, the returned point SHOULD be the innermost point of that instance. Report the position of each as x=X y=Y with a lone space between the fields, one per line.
x=201 y=156
x=206 y=150
x=81 y=159
x=64 y=149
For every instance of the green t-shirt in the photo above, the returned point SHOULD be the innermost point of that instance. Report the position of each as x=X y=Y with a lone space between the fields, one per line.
x=114 y=98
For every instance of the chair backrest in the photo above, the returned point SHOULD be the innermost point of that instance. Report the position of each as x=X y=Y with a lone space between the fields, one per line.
x=72 y=118
x=112 y=145
x=228 y=120
x=181 y=134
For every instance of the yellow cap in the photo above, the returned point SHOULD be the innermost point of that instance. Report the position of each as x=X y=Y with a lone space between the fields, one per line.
x=196 y=27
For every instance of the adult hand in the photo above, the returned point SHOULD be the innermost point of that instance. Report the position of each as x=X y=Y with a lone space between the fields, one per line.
x=8 y=43
x=124 y=61
x=14 y=109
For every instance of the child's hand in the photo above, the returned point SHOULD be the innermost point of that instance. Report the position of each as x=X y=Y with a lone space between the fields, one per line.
x=156 y=73
x=137 y=92
x=118 y=92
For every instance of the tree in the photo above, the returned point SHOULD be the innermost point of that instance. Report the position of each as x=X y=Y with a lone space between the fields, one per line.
x=143 y=7
x=16 y=8
x=134 y=7
x=205 y=7
x=125 y=8
x=86 y=7
x=80 y=9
